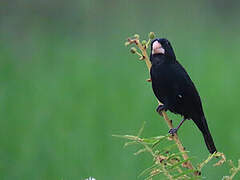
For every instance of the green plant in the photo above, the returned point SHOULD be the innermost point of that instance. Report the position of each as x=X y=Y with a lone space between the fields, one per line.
x=170 y=159
x=167 y=159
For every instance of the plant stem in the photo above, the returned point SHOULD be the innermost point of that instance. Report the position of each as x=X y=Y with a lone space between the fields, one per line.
x=143 y=50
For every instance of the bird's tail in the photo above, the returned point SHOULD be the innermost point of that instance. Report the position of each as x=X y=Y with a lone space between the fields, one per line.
x=202 y=125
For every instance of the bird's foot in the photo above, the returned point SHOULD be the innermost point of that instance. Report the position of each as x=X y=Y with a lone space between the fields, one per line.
x=160 y=108
x=173 y=131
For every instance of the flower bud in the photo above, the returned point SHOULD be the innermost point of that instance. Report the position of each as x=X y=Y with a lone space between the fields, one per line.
x=144 y=42
x=141 y=57
x=136 y=36
x=133 y=50
x=127 y=43
x=151 y=35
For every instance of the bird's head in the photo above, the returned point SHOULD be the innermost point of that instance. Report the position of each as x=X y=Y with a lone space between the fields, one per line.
x=162 y=47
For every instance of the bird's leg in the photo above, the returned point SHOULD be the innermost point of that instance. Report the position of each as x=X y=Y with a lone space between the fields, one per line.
x=161 y=108
x=174 y=130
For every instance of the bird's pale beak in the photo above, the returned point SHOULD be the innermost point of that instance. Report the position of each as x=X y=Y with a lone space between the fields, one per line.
x=157 y=48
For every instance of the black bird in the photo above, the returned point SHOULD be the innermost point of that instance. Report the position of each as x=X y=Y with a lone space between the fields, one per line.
x=173 y=87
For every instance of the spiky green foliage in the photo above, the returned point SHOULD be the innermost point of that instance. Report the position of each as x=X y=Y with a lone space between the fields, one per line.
x=169 y=157
x=233 y=171
x=167 y=160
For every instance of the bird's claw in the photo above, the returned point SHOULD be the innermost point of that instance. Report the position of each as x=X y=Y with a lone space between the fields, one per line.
x=173 y=131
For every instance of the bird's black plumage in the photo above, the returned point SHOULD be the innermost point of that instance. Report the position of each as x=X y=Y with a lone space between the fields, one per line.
x=173 y=87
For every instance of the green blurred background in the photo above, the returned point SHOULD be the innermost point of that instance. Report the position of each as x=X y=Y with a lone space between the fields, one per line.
x=67 y=83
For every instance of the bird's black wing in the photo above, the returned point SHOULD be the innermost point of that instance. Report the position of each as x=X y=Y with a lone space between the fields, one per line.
x=188 y=102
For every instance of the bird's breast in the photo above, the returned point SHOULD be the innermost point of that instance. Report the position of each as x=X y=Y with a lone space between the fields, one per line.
x=161 y=75
x=162 y=82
